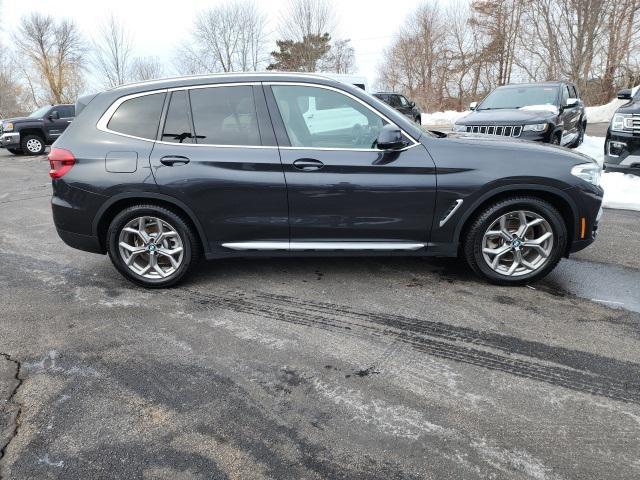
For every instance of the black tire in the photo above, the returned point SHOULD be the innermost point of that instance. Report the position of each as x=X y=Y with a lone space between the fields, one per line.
x=28 y=142
x=418 y=119
x=188 y=236
x=15 y=151
x=556 y=139
x=473 y=238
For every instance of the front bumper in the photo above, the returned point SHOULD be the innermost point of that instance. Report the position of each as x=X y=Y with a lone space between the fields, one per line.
x=622 y=152
x=10 y=140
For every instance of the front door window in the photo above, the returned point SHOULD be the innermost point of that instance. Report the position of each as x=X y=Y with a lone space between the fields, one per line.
x=321 y=118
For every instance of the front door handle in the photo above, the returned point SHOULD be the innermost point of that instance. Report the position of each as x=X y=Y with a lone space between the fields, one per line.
x=171 y=160
x=308 y=164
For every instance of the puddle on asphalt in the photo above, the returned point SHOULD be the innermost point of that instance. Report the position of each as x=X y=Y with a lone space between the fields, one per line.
x=611 y=285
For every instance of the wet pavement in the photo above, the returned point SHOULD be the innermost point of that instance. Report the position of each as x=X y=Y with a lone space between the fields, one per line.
x=358 y=368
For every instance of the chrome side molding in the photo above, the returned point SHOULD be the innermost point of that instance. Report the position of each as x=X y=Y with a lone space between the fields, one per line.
x=302 y=246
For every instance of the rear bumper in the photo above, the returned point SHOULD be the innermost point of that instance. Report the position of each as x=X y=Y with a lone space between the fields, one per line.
x=10 y=140
x=88 y=243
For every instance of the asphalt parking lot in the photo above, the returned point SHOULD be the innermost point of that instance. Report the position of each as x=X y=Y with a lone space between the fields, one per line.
x=312 y=368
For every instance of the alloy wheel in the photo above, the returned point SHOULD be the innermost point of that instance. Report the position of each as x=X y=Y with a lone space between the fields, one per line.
x=517 y=243
x=34 y=145
x=151 y=247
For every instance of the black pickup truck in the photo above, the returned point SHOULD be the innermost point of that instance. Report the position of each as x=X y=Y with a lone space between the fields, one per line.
x=622 y=147
x=549 y=112
x=30 y=135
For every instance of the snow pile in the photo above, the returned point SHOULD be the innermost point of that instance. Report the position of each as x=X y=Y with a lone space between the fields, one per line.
x=447 y=118
x=604 y=113
x=594 y=147
x=620 y=190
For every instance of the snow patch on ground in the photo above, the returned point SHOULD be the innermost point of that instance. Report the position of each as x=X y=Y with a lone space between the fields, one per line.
x=442 y=118
x=620 y=190
x=604 y=113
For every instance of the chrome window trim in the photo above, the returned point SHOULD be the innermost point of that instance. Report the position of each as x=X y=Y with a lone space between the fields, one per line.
x=106 y=117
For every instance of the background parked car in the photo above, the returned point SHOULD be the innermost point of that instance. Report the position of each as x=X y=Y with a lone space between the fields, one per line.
x=30 y=135
x=400 y=103
x=549 y=112
x=622 y=147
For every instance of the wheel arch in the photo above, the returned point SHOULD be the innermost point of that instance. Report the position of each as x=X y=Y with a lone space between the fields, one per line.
x=559 y=199
x=33 y=131
x=119 y=202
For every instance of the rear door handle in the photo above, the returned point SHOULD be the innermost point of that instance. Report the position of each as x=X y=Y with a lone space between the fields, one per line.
x=171 y=160
x=308 y=164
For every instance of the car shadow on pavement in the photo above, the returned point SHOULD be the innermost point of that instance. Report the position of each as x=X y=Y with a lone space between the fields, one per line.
x=319 y=268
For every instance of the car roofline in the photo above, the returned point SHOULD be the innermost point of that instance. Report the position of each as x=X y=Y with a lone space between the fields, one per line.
x=225 y=75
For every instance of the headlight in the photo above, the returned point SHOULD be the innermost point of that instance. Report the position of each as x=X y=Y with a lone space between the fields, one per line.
x=536 y=127
x=459 y=128
x=621 y=122
x=7 y=127
x=588 y=171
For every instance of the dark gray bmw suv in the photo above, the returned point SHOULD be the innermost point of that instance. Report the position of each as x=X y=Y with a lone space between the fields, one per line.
x=158 y=174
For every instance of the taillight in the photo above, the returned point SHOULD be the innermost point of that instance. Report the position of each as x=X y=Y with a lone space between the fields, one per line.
x=61 y=162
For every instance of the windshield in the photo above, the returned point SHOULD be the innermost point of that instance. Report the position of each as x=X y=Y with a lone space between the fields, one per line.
x=519 y=97
x=40 y=112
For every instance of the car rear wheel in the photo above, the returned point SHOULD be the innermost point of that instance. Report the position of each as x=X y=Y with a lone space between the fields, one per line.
x=33 y=145
x=152 y=246
x=515 y=241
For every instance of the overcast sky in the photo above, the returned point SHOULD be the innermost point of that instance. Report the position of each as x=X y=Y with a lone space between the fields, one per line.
x=158 y=26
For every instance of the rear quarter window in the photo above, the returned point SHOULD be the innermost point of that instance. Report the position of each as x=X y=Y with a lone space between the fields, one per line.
x=139 y=116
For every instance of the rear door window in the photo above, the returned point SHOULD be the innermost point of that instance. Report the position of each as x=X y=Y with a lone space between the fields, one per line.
x=225 y=116
x=177 y=126
x=139 y=116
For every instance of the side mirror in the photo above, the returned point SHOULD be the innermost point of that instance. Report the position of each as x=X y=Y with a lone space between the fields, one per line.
x=412 y=104
x=473 y=105
x=624 y=94
x=571 y=102
x=390 y=138
x=54 y=115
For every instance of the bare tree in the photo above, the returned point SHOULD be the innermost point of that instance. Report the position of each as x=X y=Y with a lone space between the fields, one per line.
x=229 y=37
x=112 y=49
x=341 y=58
x=304 y=19
x=146 y=68
x=54 y=55
x=500 y=22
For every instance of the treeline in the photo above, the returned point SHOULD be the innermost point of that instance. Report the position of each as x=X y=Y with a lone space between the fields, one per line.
x=451 y=53
x=446 y=54
x=49 y=60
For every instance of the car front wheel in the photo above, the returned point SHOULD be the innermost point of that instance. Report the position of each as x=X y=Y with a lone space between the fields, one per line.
x=33 y=145
x=515 y=241
x=152 y=246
